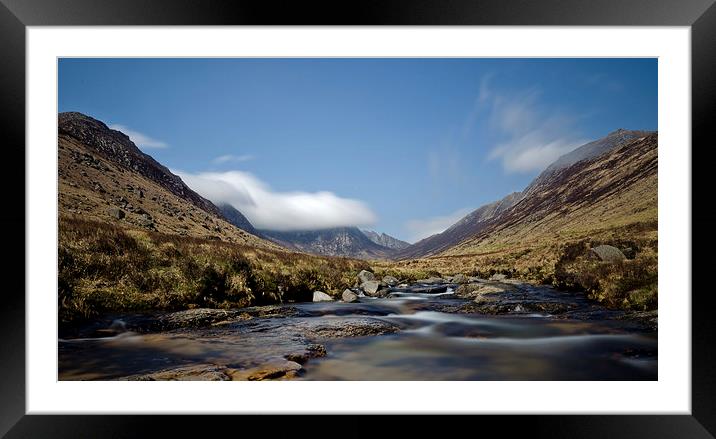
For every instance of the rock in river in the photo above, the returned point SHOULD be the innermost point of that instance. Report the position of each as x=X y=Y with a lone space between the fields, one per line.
x=472 y=291
x=365 y=276
x=390 y=280
x=370 y=287
x=320 y=296
x=349 y=296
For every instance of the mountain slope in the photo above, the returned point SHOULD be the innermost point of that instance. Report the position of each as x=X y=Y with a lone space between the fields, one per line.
x=595 y=148
x=237 y=218
x=475 y=222
x=468 y=226
x=614 y=190
x=385 y=240
x=118 y=148
x=104 y=176
x=341 y=241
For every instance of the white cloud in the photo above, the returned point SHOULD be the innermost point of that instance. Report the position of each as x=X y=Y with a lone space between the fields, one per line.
x=534 y=150
x=533 y=136
x=141 y=140
x=230 y=158
x=267 y=209
x=422 y=228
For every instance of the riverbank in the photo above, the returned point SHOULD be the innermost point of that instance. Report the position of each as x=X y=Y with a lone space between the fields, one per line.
x=485 y=329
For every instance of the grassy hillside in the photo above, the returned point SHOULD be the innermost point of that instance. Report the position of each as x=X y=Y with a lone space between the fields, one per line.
x=611 y=199
x=94 y=187
x=108 y=268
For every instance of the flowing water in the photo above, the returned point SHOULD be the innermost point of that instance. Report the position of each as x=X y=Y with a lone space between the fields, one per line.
x=406 y=336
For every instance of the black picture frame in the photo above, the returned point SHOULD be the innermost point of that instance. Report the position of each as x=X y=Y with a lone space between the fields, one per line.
x=16 y=15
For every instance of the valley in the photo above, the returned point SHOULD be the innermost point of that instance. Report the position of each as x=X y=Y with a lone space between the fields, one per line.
x=146 y=261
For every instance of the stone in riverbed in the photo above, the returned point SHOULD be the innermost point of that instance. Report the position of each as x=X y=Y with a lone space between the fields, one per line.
x=498 y=277
x=320 y=296
x=476 y=290
x=269 y=371
x=349 y=296
x=370 y=287
x=390 y=280
x=198 y=372
x=365 y=276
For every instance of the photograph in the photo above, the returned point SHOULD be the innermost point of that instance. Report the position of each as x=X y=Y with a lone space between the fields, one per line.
x=357 y=218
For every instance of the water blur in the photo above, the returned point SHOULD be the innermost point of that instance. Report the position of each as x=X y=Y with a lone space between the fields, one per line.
x=407 y=336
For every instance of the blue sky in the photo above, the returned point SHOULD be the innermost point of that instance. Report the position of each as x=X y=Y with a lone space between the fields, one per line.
x=402 y=146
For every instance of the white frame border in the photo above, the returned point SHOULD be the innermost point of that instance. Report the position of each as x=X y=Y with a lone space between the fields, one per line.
x=670 y=394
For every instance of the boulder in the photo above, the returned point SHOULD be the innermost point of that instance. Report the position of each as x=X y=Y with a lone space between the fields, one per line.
x=498 y=277
x=390 y=280
x=382 y=292
x=365 y=276
x=320 y=296
x=116 y=212
x=606 y=253
x=349 y=296
x=370 y=287
x=146 y=222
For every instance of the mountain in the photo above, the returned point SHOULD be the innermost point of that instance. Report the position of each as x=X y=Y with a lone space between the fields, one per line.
x=341 y=241
x=104 y=176
x=477 y=221
x=468 y=226
x=385 y=240
x=614 y=190
x=237 y=218
x=595 y=148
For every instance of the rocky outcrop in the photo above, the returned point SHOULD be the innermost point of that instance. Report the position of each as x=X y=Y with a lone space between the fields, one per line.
x=116 y=146
x=341 y=241
x=385 y=240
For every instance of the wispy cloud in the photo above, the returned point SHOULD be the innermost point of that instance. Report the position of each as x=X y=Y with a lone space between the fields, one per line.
x=532 y=134
x=141 y=140
x=230 y=158
x=422 y=228
x=271 y=210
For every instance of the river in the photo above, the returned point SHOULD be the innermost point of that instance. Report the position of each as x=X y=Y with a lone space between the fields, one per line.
x=521 y=333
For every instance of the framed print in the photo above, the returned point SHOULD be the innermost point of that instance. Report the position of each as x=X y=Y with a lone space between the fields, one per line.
x=391 y=212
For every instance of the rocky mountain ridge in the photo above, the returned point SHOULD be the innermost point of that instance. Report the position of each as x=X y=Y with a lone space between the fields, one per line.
x=340 y=241
x=385 y=240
